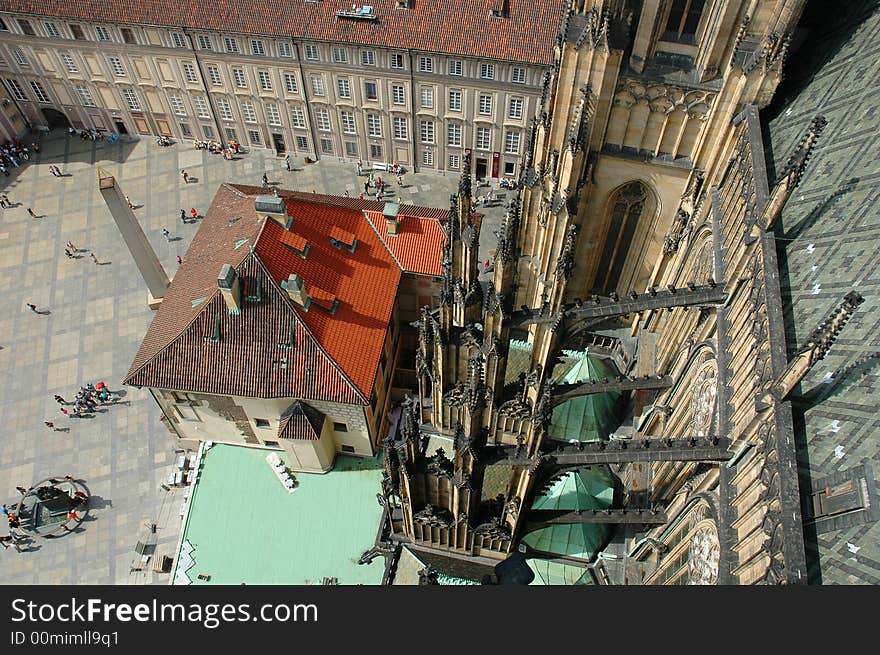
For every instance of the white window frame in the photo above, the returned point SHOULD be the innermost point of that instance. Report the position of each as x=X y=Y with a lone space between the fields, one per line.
x=426 y=64
x=69 y=62
x=487 y=71
x=116 y=66
x=52 y=30
x=284 y=49
x=512 y=141
x=428 y=157
x=131 y=99
x=39 y=92
x=400 y=127
x=343 y=88
x=347 y=122
x=398 y=94
x=485 y=105
x=239 y=77
x=18 y=55
x=457 y=95
x=16 y=90
x=290 y=83
x=340 y=56
x=200 y=104
x=455 y=67
x=518 y=75
x=102 y=33
x=298 y=117
x=257 y=48
x=85 y=95
x=374 y=125
x=394 y=59
x=312 y=52
x=454 y=162
x=273 y=115
x=265 y=80
x=214 y=75
x=189 y=73
x=322 y=119
x=178 y=108
x=426 y=131
x=427 y=97
x=248 y=111
x=454 y=132
x=225 y=108
x=368 y=58
x=317 y=86
x=479 y=133
x=204 y=42
x=178 y=40
x=230 y=44
x=515 y=107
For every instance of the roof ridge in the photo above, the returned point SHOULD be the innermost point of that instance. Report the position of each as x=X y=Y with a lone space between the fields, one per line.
x=288 y=303
x=383 y=242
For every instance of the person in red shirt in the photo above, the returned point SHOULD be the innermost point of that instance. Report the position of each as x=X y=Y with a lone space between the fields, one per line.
x=194 y=213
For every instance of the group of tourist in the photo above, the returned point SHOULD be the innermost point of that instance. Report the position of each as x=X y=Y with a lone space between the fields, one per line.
x=86 y=401
x=90 y=134
x=217 y=148
x=13 y=152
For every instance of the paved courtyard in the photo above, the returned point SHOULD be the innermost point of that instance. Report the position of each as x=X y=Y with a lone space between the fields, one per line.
x=96 y=315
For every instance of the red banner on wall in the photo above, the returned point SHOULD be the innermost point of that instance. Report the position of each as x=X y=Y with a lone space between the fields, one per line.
x=496 y=160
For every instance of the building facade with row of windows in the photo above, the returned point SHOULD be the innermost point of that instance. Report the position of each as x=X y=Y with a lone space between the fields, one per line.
x=423 y=109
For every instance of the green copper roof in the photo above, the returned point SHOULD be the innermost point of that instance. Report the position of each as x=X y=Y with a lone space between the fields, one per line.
x=557 y=573
x=588 y=418
x=591 y=488
x=444 y=579
x=245 y=527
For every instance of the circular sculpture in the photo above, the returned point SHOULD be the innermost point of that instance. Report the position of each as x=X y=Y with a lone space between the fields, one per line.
x=703 y=555
x=703 y=399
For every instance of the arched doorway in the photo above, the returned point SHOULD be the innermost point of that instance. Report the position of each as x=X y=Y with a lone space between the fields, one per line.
x=55 y=118
x=627 y=206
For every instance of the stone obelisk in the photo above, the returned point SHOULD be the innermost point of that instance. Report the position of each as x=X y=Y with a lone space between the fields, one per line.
x=144 y=256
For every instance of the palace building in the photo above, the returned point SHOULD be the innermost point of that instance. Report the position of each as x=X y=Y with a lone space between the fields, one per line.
x=417 y=83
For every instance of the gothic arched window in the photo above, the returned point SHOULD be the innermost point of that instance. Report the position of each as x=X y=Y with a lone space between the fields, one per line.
x=629 y=203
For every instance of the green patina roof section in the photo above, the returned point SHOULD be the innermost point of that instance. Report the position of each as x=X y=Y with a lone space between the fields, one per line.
x=557 y=573
x=591 y=488
x=588 y=418
x=245 y=527
x=444 y=579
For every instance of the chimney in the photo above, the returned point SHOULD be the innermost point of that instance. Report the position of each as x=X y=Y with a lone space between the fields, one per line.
x=227 y=281
x=392 y=221
x=275 y=208
x=296 y=289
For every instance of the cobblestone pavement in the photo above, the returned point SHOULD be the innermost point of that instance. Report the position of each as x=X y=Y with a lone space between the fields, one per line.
x=96 y=317
x=828 y=246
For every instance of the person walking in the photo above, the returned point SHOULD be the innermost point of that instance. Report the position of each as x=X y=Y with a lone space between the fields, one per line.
x=128 y=200
x=4 y=200
x=193 y=213
x=360 y=168
x=265 y=181
x=50 y=425
x=94 y=259
x=65 y=411
x=32 y=307
x=287 y=162
x=32 y=213
x=183 y=216
x=71 y=246
x=69 y=254
x=166 y=234
x=60 y=400
x=184 y=175
x=179 y=260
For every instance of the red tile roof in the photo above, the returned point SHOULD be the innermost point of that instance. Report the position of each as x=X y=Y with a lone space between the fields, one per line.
x=457 y=27
x=333 y=356
x=418 y=244
x=302 y=422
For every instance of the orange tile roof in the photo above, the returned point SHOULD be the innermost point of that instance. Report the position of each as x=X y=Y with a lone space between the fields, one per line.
x=418 y=246
x=342 y=236
x=294 y=240
x=333 y=356
x=458 y=27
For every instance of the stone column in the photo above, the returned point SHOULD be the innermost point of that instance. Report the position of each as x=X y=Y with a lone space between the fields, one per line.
x=144 y=256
